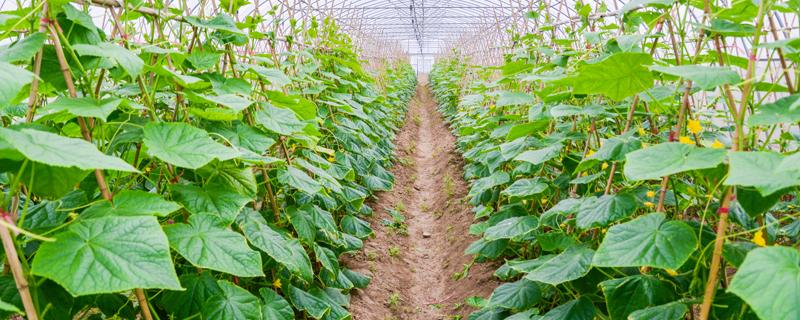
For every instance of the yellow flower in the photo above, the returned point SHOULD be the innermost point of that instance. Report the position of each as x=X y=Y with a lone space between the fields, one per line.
x=604 y=230
x=491 y=106
x=641 y=131
x=686 y=140
x=543 y=201
x=694 y=126
x=583 y=174
x=604 y=166
x=651 y=194
x=758 y=238
x=277 y=283
x=717 y=144
x=331 y=159
x=649 y=204
x=671 y=272
x=589 y=153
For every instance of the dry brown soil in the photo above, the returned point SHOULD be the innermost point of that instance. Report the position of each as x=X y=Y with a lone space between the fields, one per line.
x=413 y=275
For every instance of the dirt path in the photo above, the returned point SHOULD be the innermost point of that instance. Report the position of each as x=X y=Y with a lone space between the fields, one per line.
x=413 y=274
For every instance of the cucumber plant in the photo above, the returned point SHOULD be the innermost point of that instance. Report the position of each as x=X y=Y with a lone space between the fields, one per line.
x=633 y=168
x=190 y=176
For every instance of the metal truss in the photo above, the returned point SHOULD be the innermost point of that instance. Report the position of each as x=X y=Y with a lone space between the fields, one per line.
x=419 y=30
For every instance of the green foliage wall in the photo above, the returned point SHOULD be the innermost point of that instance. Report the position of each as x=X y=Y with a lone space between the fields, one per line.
x=616 y=180
x=184 y=180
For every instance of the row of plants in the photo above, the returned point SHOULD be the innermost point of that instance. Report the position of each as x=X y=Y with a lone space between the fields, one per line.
x=186 y=176
x=633 y=167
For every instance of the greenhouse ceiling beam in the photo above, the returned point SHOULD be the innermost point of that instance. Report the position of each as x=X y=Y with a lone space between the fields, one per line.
x=407 y=17
x=431 y=7
x=458 y=23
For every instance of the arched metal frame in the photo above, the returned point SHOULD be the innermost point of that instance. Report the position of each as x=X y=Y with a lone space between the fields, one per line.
x=417 y=30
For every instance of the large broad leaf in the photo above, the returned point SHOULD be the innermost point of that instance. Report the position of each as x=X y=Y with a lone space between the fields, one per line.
x=769 y=281
x=512 y=228
x=580 y=309
x=541 y=155
x=51 y=181
x=525 y=188
x=132 y=203
x=651 y=240
x=486 y=183
x=616 y=148
x=613 y=149
x=109 y=254
x=518 y=295
x=212 y=200
x=228 y=175
x=670 y=158
x=145 y=202
x=230 y=101
x=52 y=149
x=618 y=76
x=357 y=227
x=766 y=171
x=126 y=59
x=232 y=302
x=703 y=77
x=202 y=60
x=513 y=98
x=279 y=120
x=315 y=307
x=304 y=108
x=731 y=29
x=299 y=180
x=12 y=80
x=222 y=22
x=599 y=212
x=185 y=81
x=669 y=311
x=184 y=145
x=246 y=137
x=274 y=76
x=86 y=107
x=207 y=243
x=185 y=304
x=24 y=49
x=275 y=307
x=571 y=264
x=784 y=110
x=50 y=214
x=282 y=249
x=626 y=295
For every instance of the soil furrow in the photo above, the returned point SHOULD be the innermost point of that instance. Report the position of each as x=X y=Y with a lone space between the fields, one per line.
x=418 y=266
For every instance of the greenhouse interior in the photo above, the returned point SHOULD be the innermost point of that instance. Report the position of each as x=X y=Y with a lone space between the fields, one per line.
x=400 y=159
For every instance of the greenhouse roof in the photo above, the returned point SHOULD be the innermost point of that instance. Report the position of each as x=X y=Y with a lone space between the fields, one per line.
x=421 y=30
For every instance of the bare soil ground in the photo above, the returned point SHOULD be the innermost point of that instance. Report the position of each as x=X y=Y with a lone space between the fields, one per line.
x=421 y=274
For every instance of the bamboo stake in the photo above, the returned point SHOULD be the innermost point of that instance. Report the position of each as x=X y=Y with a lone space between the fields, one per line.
x=738 y=144
x=16 y=269
x=101 y=181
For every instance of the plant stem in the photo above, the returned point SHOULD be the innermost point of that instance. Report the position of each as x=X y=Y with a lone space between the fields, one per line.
x=628 y=123
x=722 y=224
x=16 y=270
x=101 y=181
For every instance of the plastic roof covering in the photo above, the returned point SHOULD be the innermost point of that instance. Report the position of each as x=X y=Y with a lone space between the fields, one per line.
x=418 y=29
